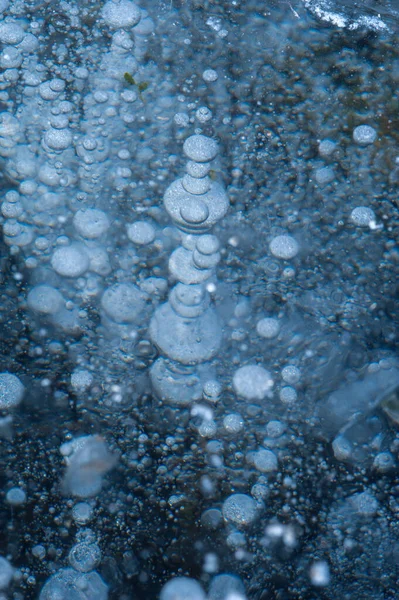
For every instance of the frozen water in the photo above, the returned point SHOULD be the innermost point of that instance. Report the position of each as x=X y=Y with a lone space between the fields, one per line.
x=217 y=408
x=354 y=14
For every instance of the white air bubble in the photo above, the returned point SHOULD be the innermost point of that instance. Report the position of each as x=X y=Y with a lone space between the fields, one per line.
x=16 y=496
x=265 y=461
x=182 y=588
x=233 y=423
x=291 y=374
x=81 y=380
x=141 y=233
x=209 y=75
x=84 y=557
x=252 y=382
x=120 y=15
x=288 y=395
x=203 y=114
x=11 y=33
x=324 y=175
x=320 y=574
x=342 y=448
x=284 y=246
x=268 y=328
x=58 y=139
x=200 y=148
x=364 y=135
x=45 y=299
x=70 y=261
x=326 y=147
x=123 y=302
x=239 y=509
x=11 y=391
x=91 y=223
x=362 y=216
x=82 y=513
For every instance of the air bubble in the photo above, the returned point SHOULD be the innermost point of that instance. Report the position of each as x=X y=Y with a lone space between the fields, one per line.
x=240 y=509
x=141 y=233
x=284 y=246
x=252 y=382
x=120 y=15
x=200 y=148
x=11 y=391
x=364 y=135
x=182 y=588
x=268 y=328
x=91 y=223
x=70 y=261
x=362 y=216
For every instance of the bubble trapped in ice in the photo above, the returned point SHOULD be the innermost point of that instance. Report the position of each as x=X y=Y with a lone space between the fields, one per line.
x=11 y=391
x=253 y=382
x=240 y=509
x=88 y=460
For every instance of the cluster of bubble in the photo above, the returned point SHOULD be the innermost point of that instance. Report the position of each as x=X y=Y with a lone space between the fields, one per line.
x=364 y=136
x=80 y=580
x=66 y=158
x=222 y=587
x=88 y=459
x=186 y=329
x=188 y=334
x=68 y=162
